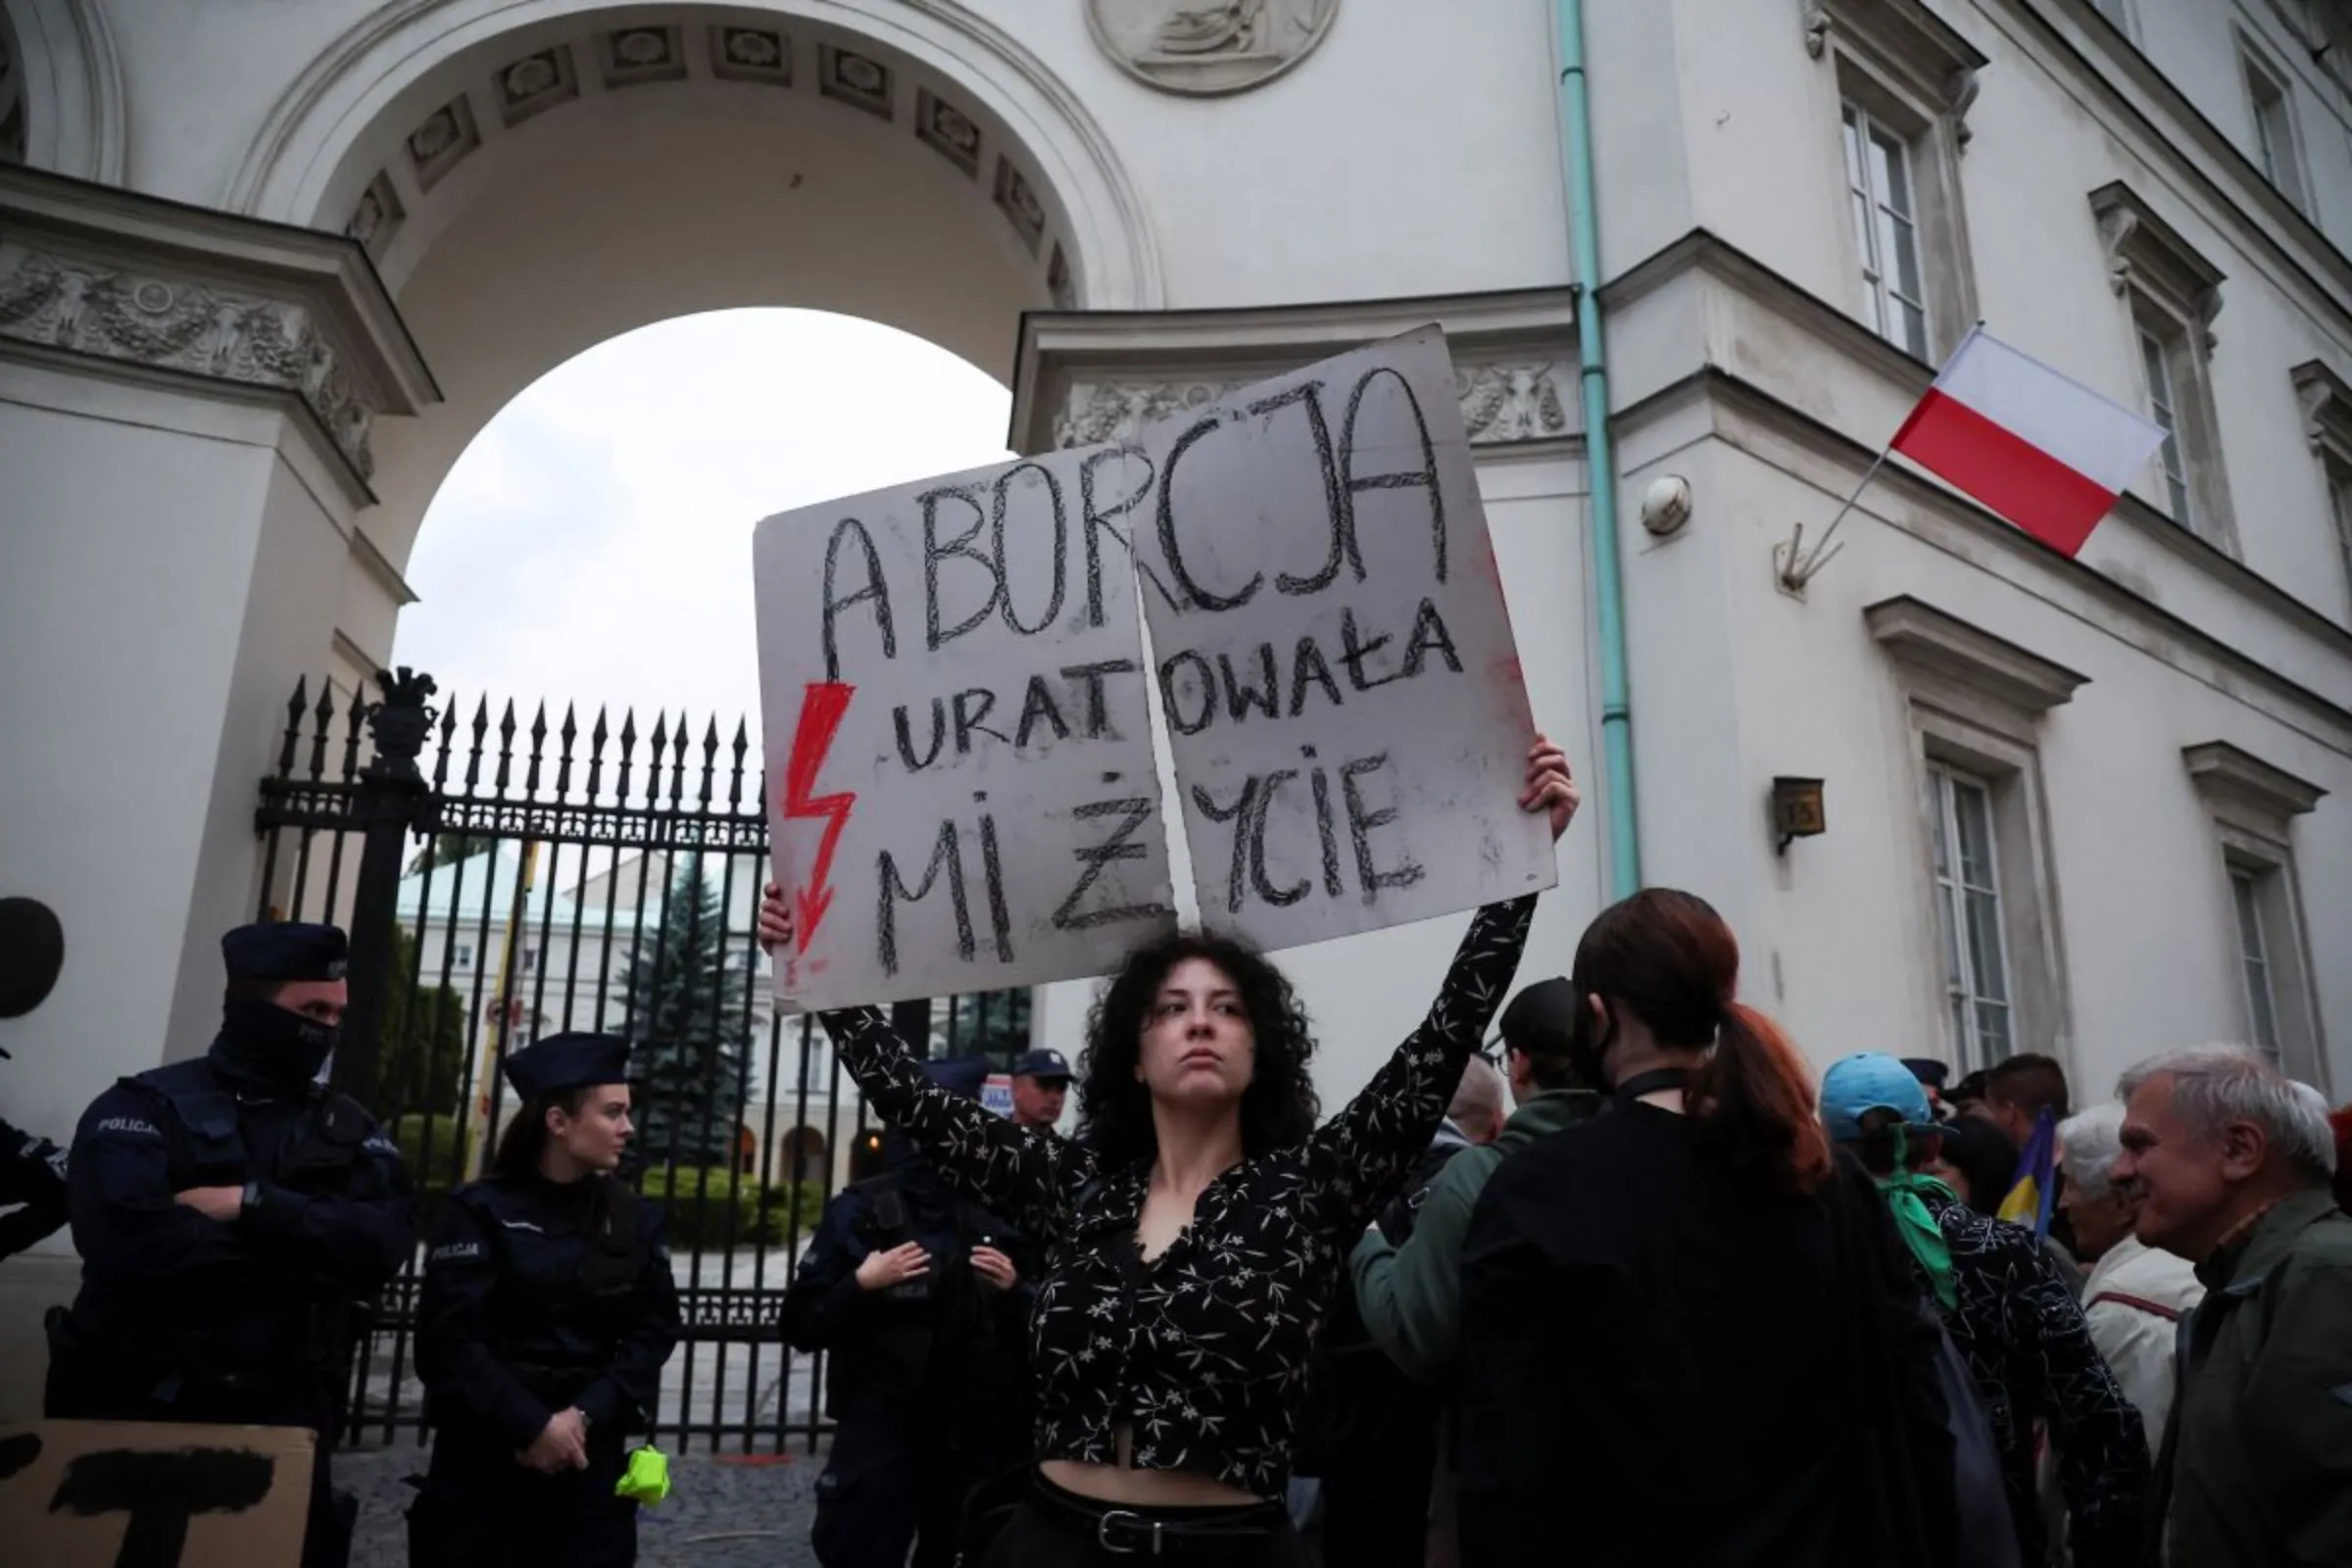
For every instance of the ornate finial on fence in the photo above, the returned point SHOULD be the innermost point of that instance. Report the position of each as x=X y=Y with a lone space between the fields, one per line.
x=400 y=724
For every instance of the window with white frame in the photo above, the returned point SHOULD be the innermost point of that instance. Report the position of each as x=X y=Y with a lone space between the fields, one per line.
x=2172 y=296
x=2160 y=347
x=1879 y=184
x=462 y=956
x=2278 y=151
x=1968 y=911
x=2327 y=427
x=2339 y=508
x=1903 y=82
x=2259 y=910
x=2254 y=961
x=1987 y=952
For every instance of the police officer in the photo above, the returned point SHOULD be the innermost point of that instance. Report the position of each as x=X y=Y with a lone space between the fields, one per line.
x=549 y=1310
x=1041 y=1084
x=229 y=1209
x=920 y=1299
x=32 y=1173
x=32 y=1170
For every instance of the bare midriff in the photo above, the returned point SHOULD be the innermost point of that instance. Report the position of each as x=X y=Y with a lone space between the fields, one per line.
x=1123 y=1482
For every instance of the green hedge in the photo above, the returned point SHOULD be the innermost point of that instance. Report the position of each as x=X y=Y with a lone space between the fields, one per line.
x=709 y=1206
x=408 y=1132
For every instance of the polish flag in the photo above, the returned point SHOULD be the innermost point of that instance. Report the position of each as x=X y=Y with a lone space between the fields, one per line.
x=2044 y=452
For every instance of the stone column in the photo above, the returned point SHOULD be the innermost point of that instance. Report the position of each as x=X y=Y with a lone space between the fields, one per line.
x=186 y=404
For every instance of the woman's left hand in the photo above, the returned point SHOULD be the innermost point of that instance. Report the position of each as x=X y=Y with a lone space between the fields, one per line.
x=1550 y=786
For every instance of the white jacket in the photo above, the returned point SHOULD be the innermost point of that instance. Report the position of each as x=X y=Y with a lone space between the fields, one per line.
x=2133 y=1301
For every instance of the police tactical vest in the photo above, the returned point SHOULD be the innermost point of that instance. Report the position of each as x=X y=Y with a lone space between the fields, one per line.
x=206 y=1143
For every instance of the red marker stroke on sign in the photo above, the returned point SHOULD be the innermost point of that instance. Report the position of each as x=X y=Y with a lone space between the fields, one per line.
x=822 y=705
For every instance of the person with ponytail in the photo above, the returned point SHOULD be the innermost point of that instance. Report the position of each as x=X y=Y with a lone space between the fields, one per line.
x=2014 y=1317
x=1689 y=1332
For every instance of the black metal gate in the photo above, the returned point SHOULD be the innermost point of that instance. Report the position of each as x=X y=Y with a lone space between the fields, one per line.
x=501 y=882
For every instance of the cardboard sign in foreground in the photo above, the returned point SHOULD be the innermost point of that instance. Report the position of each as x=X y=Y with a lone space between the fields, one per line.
x=154 y=1494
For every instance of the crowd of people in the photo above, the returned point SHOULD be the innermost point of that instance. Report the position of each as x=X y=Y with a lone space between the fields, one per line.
x=1680 y=1300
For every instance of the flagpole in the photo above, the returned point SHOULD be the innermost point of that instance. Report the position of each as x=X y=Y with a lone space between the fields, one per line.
x=1800 y=571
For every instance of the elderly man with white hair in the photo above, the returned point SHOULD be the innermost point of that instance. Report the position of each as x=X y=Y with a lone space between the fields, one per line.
x=2232 y=1163
x=2137 y=1295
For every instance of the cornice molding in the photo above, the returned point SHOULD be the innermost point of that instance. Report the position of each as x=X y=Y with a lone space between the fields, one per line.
x=1926 y=640
x=2246 y=790
x=2327 y=405
x=1906 y=42
x=2147 y=253
x=1089 y=376
x=96 y=273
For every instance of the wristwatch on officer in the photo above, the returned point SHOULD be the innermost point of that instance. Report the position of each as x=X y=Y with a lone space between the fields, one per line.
x=251 y=1202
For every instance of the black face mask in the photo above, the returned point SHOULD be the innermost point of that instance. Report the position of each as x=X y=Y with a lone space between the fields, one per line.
x=272 y=1045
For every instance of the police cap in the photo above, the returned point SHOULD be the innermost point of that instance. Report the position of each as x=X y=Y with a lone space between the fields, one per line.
x=284 y=950
x=1042 y=1063
x=1928 y=1070
x=568 y=1062
x=958 y=1075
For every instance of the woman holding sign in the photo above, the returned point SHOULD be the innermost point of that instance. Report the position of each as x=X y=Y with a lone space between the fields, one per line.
x=1195 y=1227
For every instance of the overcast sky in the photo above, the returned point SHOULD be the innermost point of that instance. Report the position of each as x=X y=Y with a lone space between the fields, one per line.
x=594 y=544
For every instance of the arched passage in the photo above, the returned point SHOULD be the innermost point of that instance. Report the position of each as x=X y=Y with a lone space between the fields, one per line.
x=534 y=179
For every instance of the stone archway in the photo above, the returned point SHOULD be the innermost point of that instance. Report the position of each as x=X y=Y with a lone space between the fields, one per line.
x=247 y=407
x=62 y=83
x=532 y=179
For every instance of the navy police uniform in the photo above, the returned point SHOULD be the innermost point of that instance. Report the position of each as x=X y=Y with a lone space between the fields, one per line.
x=32 y=1173
x=540 y=1297
x=927 y=1378
x=183 y=1317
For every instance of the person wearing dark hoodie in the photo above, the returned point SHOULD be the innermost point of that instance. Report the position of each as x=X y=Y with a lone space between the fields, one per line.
x=229 y=1210
x=1409 y=1293
x=920 y=1300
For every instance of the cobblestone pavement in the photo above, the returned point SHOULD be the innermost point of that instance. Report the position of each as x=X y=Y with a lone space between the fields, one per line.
x=723 y=1512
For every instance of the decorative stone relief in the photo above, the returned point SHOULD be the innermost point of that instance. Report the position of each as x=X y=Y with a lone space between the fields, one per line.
x=1208 y=46
x=1021 y=205
x=643 y=54
x=1502 y=403
x=377 y=215
x=750 y=54
x=447 y=134
x=853 y=78
x=536 y=83
x=1511 y=401
x=223 y=335
x=949 y=130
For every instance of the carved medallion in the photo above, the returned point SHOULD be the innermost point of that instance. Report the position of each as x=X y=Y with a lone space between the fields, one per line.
x=1208 y=46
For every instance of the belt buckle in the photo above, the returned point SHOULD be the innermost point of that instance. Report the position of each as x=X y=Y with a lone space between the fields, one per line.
x=1125 y=1517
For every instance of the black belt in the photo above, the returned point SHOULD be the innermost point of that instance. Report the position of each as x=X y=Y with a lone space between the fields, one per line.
x=1156 y=1531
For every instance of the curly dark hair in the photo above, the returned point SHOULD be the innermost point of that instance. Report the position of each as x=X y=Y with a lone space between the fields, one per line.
x=1279 y=1108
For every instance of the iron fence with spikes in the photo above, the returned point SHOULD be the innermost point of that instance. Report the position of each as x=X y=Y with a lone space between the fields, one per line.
x=496 y=892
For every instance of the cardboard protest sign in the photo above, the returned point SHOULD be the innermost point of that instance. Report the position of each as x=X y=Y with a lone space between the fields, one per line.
x=1333 y=658
x=149 y=1495
x=961 y=788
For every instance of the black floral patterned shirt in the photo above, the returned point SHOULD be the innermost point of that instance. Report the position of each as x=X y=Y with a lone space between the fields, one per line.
x=2018 y=1327
x=1203 y=1354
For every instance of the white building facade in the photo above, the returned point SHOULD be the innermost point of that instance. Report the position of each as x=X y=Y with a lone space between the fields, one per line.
x=265 y=270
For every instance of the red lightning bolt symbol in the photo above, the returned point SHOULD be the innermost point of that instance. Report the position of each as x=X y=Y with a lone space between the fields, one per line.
x=823 y=706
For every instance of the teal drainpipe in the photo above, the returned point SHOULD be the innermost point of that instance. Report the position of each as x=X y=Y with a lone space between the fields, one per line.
x=1600 y=460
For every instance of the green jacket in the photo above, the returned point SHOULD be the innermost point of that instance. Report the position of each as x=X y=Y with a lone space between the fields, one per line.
x=1410 y=1297
x=2261 y=1447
